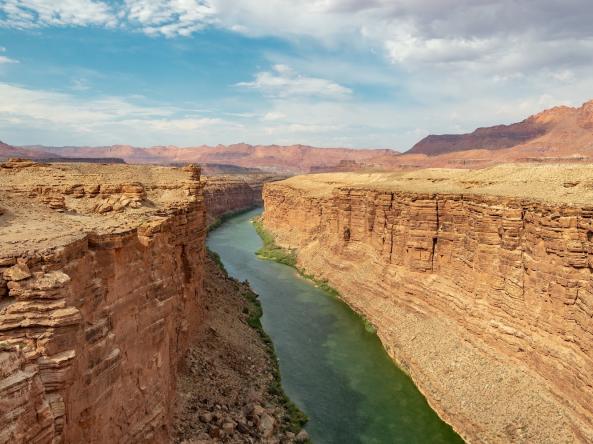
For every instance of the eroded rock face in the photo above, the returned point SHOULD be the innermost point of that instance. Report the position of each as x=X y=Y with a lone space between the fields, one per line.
x=97 y=310
x=224 y=194
x=487 y=301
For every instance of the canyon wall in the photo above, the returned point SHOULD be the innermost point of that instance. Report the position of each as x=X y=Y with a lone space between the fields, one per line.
x=483 y=293
x=233 y=193
x=101 y=271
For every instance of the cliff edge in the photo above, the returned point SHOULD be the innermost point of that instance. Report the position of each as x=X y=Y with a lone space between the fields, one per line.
x=479 y=282
x=101 y=270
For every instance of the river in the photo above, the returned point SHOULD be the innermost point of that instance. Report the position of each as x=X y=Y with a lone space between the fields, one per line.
x=335 y=370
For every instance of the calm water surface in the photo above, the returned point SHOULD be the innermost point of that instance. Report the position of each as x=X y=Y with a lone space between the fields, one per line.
x=331 y=366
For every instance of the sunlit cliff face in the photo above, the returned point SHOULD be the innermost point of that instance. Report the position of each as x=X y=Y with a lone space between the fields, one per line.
x=478 y=281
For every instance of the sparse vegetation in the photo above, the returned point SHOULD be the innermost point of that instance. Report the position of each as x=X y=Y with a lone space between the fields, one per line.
x=271 y=251
x=295 y=418
x=320 y=283
x=216 y=258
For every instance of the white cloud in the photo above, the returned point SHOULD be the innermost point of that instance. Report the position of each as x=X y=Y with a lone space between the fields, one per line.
x=4 y=59
x=169 y=17
x=521 y=34
x=24 y=14
x=28 y=111
x=283 y=81
x=273 y=116
x=79 y=85
x=411 y=49
x=183 y=124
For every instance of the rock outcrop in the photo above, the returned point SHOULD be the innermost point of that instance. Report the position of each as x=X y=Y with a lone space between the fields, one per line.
x=101 y=271
x=480 y=285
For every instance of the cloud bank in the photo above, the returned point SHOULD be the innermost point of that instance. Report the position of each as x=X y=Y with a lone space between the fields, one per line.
x=442 y=65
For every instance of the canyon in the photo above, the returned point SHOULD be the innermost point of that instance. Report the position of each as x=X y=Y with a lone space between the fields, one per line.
x=227 y=194
x=102 y=295
x=478 y=282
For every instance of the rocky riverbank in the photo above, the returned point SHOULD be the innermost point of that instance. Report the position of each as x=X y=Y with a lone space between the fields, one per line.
x=229 y=388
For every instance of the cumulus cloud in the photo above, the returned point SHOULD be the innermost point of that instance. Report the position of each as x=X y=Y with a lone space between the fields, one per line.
x=6 y=60
x=169 y=17
x=273 y=116
x=411 y=33
x=23 y=110
x=25 y=14
x=283 y=81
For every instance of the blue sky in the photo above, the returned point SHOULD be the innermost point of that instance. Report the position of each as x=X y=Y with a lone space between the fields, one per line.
x=359 y=73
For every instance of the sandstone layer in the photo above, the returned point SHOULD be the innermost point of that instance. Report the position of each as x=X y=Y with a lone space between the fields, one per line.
x=101 y=271
x=233 y=193
x=479 y=282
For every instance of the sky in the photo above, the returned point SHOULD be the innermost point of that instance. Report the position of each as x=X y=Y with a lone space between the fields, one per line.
x=341 y=73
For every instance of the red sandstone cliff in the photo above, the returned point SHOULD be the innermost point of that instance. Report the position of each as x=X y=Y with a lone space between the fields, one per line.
x=479 y=284
x=233 y=193
x=100 y=290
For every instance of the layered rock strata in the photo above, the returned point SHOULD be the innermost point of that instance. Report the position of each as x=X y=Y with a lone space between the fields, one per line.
x=101 y=271
x=234 y=193
x=480 y=285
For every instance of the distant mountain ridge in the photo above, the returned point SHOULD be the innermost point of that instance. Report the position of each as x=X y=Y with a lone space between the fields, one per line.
x=560 y=134
x=562 y=129
x=274 y=158
x=8 y=151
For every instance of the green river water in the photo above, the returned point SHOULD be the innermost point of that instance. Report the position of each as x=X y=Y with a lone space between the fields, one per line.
x=332 y=367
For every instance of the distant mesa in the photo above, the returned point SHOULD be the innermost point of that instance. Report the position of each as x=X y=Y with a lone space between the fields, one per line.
x=9 y=151
x=342 y=166
x=102 y=160
x=493 y=138
x=558 y=132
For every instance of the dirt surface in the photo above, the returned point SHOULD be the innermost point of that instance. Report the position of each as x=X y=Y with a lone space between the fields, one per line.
x=558 y=183
x=49 y=205
x=227 y=390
